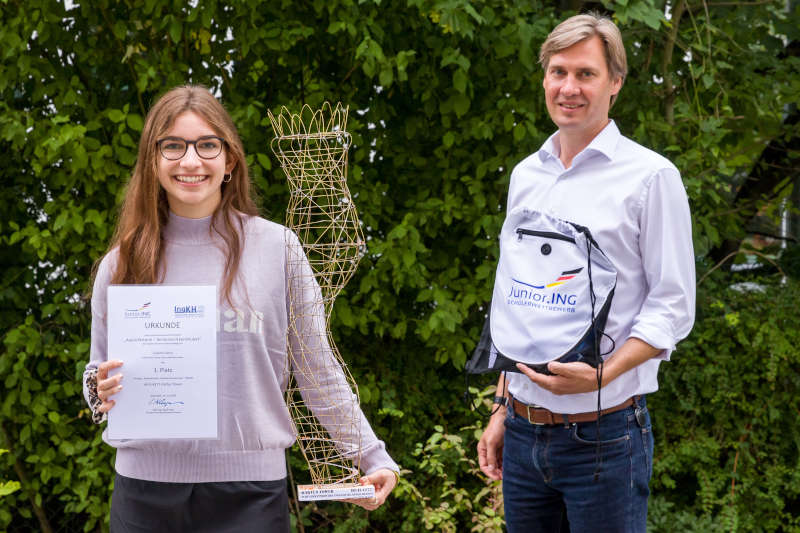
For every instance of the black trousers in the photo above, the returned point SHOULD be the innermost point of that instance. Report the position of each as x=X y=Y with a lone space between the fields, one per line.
x=139 y=506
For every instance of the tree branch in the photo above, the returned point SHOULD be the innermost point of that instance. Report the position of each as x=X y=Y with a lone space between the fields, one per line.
x=666 y=73
x=733 y=254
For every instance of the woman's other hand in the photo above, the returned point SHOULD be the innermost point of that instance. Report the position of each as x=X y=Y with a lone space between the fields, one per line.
x=384 y=481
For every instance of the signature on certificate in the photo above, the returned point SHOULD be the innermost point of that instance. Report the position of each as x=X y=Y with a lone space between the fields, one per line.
x=161 y=402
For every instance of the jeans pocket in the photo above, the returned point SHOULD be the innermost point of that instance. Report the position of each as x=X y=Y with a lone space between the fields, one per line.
x=586 y=433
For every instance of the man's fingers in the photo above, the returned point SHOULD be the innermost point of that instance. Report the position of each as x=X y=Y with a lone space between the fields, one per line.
x=561 y=369
x=483 y=458
x=495 y=461
x=536 y=377
x=482 y=454
x=491 y=457
x=488 y=460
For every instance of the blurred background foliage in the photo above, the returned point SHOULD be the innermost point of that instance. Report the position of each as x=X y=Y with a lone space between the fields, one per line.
x=445 y=97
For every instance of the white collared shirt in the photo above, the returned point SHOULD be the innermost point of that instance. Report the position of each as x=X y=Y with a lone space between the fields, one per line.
x=634 y=203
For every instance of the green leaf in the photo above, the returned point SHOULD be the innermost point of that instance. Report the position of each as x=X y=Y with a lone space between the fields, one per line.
x=460 y=80
x=116 y=115
x=9 y=487
x=386 y=77
x=461 y=103
x=519 y=132
x=135 y=122
x=175 y=31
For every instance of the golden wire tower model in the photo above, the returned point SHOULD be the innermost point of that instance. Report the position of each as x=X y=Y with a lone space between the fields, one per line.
x=322 y=396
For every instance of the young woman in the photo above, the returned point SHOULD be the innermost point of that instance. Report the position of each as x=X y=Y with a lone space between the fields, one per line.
x=188 y=218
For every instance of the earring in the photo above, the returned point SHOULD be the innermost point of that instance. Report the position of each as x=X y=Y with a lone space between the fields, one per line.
x=226 y=178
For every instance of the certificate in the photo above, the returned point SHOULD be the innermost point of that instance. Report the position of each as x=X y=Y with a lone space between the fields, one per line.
x=166 y=337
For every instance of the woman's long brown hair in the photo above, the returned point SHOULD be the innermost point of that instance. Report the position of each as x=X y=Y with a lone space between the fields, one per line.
x=145 y=211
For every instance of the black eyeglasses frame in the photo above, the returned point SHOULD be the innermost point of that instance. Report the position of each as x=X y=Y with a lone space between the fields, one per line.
x=187 y=142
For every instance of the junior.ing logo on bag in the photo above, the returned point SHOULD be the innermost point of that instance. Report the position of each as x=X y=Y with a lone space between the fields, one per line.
x=537 y=296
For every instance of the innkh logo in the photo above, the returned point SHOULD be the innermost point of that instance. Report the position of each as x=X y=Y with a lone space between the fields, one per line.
x=189 y=310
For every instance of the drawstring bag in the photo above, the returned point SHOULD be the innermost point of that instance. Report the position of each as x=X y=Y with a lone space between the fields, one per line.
x=552 y=293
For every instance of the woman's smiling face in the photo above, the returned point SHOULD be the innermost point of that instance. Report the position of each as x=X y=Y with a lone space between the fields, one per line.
x=193 y=184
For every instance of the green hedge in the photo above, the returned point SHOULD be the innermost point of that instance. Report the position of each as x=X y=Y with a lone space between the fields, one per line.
x=445 y=97
x=726 y=418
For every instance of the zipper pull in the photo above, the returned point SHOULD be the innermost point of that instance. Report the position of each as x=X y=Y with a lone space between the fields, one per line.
x=519 y=234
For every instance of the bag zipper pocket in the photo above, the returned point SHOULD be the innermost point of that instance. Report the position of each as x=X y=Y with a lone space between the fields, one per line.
x=545 y=234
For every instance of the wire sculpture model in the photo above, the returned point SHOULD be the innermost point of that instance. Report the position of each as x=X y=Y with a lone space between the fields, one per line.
x=321 y=394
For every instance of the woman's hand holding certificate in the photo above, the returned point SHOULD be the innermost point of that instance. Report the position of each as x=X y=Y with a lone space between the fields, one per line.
x=108 y=386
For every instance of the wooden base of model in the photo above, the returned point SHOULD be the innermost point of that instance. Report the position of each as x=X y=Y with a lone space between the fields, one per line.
x=334 y=491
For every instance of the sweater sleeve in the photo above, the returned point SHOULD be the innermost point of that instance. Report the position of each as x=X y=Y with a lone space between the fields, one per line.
x=98 y=349
x=322 y=380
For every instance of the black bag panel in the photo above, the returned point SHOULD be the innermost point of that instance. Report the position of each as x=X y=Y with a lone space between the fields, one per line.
x=583 y=351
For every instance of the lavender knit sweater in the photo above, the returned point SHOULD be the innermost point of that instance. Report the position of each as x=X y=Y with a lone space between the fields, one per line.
x=255 y=427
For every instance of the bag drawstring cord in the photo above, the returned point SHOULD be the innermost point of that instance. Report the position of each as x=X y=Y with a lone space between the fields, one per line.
x=468 y=399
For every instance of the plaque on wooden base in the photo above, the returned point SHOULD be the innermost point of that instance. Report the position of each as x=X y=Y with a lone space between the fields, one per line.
x=334 y=491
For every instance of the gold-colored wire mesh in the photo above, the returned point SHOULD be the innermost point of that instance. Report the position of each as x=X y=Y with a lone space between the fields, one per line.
x=321 y=394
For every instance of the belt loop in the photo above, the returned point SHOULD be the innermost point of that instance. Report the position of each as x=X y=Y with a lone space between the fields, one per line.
x=566 y=420
x=511 y=406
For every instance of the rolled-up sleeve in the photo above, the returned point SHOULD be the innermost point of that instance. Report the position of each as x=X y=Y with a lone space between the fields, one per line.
x=665 y=244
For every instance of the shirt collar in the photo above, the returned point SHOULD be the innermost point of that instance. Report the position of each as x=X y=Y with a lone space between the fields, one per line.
x=604 y=142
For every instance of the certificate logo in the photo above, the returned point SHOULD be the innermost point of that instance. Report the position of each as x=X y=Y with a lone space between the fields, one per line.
x=142 y=311
x=188 y=311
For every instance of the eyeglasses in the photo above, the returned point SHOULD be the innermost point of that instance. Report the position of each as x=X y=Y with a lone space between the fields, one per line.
x=206 y=147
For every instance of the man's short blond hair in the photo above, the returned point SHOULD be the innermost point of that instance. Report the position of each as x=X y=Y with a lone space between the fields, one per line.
x=581 y=27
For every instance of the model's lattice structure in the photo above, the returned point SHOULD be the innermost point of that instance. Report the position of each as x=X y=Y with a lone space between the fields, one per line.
x=322 y=397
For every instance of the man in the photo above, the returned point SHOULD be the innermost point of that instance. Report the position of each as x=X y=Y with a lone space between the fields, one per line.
x=542 y=440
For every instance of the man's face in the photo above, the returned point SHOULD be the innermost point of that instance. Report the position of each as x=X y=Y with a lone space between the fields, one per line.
x=578 y=88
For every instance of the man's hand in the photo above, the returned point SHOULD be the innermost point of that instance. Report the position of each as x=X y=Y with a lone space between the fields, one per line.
x=573 y=378
x=384 y=481
x=490 y=447
x=567 y=378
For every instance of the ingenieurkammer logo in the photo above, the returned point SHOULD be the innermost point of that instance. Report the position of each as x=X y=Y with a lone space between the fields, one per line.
x=187 y=311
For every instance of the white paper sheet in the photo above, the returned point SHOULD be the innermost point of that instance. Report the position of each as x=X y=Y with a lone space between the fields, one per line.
x=166 y=337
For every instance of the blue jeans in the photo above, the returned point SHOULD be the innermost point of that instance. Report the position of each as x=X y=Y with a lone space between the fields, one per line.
x=549 y=482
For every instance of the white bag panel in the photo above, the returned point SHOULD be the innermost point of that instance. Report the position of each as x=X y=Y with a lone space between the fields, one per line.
x=540 y=305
